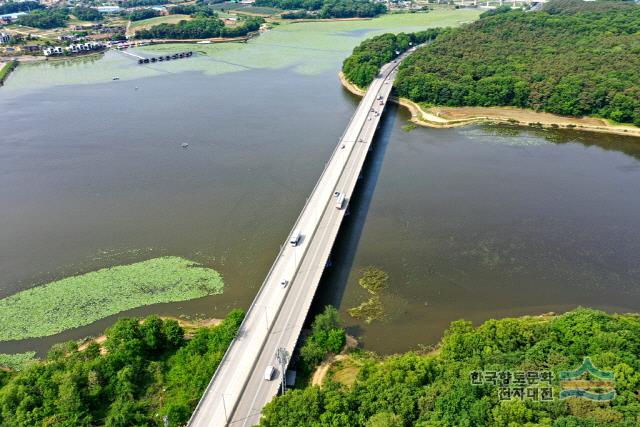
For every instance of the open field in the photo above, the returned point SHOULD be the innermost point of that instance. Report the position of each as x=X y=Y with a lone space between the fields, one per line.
x=80 y=300
x=148 y=23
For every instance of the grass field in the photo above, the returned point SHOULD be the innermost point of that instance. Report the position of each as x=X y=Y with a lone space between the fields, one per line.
x=80 y=300
x=148 y=23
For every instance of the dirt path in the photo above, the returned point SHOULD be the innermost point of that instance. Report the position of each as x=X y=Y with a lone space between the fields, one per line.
x=322 y=370
x=447 y=117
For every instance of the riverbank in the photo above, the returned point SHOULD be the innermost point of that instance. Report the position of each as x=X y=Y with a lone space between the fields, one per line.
x=190 y=328
x=449 y=117
x=6 y=68
x=302 y=20
x=149 y=42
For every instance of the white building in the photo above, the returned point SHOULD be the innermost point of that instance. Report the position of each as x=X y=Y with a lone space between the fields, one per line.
x=73 y=48
x=108 y=9
x=4 y=38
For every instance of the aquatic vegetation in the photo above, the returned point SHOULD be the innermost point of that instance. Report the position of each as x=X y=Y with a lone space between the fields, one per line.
x=369 y=310
x=80 y=300
x=374 y=280
x=308 y=48
x=18 y=361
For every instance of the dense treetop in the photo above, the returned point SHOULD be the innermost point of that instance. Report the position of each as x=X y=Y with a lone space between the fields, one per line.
x=310 y=9
x=46 y=18
x=140 y=14
x=23 y=6
x=435 y=390
x=148 y=370
x=87 y=13
x=573 y=58
x=367 y=58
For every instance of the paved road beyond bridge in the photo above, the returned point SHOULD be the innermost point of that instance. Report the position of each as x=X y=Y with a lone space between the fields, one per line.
x=238 y=390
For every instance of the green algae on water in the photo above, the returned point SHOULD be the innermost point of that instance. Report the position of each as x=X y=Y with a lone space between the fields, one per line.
x=81 y=300
x=369 y=310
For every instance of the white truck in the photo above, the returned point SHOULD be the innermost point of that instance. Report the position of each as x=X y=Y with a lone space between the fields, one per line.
x=339 y=200
x=295 y=237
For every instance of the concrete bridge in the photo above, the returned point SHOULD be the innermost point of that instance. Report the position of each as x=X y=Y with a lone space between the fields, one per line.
x=268 y=335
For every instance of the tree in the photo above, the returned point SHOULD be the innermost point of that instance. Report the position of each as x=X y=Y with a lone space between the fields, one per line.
x=87 y=13
x=572 y=58
x=385 y=419
x=148 y=369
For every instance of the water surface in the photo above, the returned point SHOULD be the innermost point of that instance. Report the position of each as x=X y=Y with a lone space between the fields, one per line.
x=475 y=222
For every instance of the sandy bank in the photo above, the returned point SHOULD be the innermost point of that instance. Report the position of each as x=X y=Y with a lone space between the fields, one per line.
x=447 y=117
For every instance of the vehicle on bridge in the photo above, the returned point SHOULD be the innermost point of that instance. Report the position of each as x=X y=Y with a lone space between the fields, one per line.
x=295 y=237
x=284 y=282
x=339 y=200
x=268 y=372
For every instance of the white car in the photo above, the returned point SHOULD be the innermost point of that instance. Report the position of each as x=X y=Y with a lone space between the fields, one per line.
x=284 y=283
x=268 y=372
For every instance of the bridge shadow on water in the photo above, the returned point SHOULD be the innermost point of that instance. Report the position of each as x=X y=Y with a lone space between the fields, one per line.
x=334 y=279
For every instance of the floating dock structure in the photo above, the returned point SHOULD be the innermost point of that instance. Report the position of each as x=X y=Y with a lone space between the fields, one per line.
x=163 y=58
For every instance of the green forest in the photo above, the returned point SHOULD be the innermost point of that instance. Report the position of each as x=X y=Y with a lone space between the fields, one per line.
x=572 y=58
x=201 y=27
x=439 y=388
x=23 y=6
x=323 y=9
x=147 y=369
x=367 y=58
x=87 y=13
x=45 y=18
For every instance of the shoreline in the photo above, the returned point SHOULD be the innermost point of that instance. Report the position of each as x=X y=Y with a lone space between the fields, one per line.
x=303 y=20
x=6 y=68
x=149 y=42
x=189 y=327
x=450 y=117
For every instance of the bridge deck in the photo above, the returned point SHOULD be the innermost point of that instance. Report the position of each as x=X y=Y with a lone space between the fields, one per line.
x=238 y=390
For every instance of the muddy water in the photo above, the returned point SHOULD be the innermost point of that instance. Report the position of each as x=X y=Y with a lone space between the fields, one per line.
x=475 y=222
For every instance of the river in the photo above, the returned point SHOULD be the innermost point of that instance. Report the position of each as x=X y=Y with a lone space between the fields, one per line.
x=477 y=222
